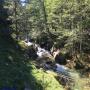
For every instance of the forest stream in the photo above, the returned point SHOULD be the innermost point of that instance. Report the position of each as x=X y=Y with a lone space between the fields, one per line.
x=66 y=76
x=44 y=44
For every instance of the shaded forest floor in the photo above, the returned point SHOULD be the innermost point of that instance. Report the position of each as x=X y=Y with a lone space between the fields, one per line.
x=13 y=68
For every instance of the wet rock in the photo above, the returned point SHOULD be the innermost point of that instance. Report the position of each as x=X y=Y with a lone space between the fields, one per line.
x=60 y=59
x=32 y=52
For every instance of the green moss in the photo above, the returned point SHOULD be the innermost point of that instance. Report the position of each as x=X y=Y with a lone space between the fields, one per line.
x=47 y=81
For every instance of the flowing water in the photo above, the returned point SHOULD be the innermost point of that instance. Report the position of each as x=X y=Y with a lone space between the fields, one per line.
x=79 y=83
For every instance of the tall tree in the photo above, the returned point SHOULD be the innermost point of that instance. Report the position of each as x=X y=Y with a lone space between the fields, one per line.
x=4 y=18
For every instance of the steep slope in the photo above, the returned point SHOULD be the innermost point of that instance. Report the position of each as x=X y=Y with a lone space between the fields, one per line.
x=13 y=69
x=16 y=69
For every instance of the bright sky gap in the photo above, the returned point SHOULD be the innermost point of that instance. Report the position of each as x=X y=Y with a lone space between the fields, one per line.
x=23 y=2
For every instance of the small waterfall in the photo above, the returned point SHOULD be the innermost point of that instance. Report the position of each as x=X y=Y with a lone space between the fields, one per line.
x=62 y=70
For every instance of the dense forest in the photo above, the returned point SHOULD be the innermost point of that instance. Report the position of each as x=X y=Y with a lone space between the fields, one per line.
x=44 y=44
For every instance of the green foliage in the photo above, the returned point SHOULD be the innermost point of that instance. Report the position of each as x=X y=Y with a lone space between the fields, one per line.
x=60 y=23
x=45 y=79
